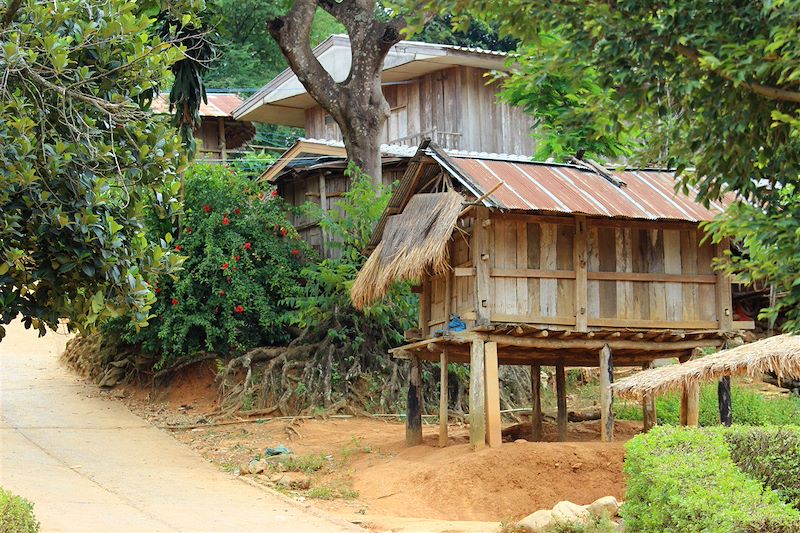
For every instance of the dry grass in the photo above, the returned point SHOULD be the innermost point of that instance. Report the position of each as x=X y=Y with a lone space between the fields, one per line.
x=414 y=243
x=779 y=354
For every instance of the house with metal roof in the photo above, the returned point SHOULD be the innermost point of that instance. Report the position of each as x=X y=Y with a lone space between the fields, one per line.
x=540 y=264
x=219 y=135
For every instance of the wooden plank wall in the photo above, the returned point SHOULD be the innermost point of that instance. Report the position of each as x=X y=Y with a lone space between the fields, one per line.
x=457 y=102
x=639 y=274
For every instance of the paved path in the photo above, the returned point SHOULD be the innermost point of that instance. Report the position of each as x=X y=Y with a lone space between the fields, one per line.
x=91 y=465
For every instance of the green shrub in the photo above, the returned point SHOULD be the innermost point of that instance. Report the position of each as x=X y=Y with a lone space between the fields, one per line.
x=16 y=514
x=749 y=408
x=770 y=456
x=243 y=259
x=684 y=480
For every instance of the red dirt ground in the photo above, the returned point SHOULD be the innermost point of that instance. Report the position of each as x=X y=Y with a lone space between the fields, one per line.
x=370 y=456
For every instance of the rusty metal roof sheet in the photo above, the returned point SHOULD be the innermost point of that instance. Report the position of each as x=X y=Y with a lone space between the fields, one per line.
x=555 y=188
x=219 y=104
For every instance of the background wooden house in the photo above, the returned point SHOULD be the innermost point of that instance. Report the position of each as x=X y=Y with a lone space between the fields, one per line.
x=219 y=136
x=558 y=265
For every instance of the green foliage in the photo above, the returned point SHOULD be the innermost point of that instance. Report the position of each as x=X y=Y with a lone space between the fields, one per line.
x=477 y=34
x=78 y=159
x=684 y=480
x=749 y=408
x=771 y=456
x=597 y=524
x=306 y=463
x=16 y=514
x=325 y=305
x=242 y=259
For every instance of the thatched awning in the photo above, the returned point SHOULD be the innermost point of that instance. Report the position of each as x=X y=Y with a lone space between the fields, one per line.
x=779 y=354
x=413 y=242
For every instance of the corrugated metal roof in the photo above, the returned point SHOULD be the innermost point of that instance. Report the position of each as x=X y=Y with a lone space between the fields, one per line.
x=219 y=104
x=528 y=186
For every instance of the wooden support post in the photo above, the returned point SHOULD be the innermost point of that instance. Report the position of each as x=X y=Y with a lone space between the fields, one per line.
x=581 y=273
x=537 y=432
x=443 y=398
x=481 y=260
x=477 y=396
x=606 y=395
x=494 y=436
x=425 y=308
x=414 y=405
x=724 y=396
x=649 y=417
x=561 y=397
x=690 y=405
x=723 y=292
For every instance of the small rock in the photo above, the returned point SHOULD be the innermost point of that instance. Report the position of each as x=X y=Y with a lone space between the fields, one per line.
x=567 y=511
x=256 y=467
x=282 y=458
x=606 y=505
x=520 y=441
x=294 y=480
x=536 y=522
x=577 y=466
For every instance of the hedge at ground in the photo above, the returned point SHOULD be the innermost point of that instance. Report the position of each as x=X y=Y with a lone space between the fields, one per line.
x=685 y=480
x=770 y=455
x=16 y=514
x=749 y=408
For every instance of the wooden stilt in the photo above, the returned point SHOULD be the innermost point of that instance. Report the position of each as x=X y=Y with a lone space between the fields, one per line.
x=561 y=397
x=494 y=437
x=414 y=409
x=477 y=396
x=690 y=405
x=443 y=399
x=649 y=417
x=606 y=395
x=537 y=432
x=724 y=396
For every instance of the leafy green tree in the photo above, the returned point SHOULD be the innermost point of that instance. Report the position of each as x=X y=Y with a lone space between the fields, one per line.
x=79 y=157
x=714 y=86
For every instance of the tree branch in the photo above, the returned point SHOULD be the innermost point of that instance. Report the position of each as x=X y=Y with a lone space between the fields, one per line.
x=772 y=93
x=11 y=12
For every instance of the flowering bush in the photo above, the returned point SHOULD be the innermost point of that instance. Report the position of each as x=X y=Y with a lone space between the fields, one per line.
x=242 y=259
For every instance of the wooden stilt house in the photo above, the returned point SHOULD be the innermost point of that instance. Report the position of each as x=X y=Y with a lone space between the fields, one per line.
x=547 y=265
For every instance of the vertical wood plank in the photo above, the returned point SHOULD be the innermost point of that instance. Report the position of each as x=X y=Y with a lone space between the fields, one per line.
x=672 y=265
x=425 y=303
x=477 y=396
x=537 y=432
x=649 y=416
x=691 y=306
x=606 y=395
x=707 y=292
x=523 y=306
x=414 y=405
x=607 y=263
x=443 y=393
x=565 y=260
x=622 y=238
x=561 y=400
x=480 y=258
x=580 y=262
x=723 y=292
x=641 y=291
x=494 y=437
x=693 y=404
x=547 y=258
x=655 y=263
x=593 y=265
x=533 y=235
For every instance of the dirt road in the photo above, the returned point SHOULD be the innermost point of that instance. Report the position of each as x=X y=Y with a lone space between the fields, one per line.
x=91 y=465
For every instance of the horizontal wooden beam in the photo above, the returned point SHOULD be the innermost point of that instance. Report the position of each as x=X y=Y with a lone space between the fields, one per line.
x=651 y=277
x=530 y=319
x=652 y=324
x=584 y=344
x=464 y=271
x=531 y=273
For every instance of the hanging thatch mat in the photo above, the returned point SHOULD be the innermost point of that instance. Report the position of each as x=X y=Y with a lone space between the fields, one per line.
x=414 y=242
x=779 y=354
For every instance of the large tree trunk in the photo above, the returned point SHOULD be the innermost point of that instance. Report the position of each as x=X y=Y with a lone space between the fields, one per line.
x=356 y=104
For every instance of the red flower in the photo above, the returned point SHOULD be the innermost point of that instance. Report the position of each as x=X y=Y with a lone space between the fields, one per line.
x=261 y=196
x=247 y=246
x=222 y=293
x=239 y=309
x=225 y=220
x=295 y=252
x=236 y=257
x=284 y=232
x=237 y=211
x=174 y=301
x=235 y=268
x=188 y=230
x=178 y=248
x=274 y=193
x=224 y=265
x=158 y=290
x=207 y=208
